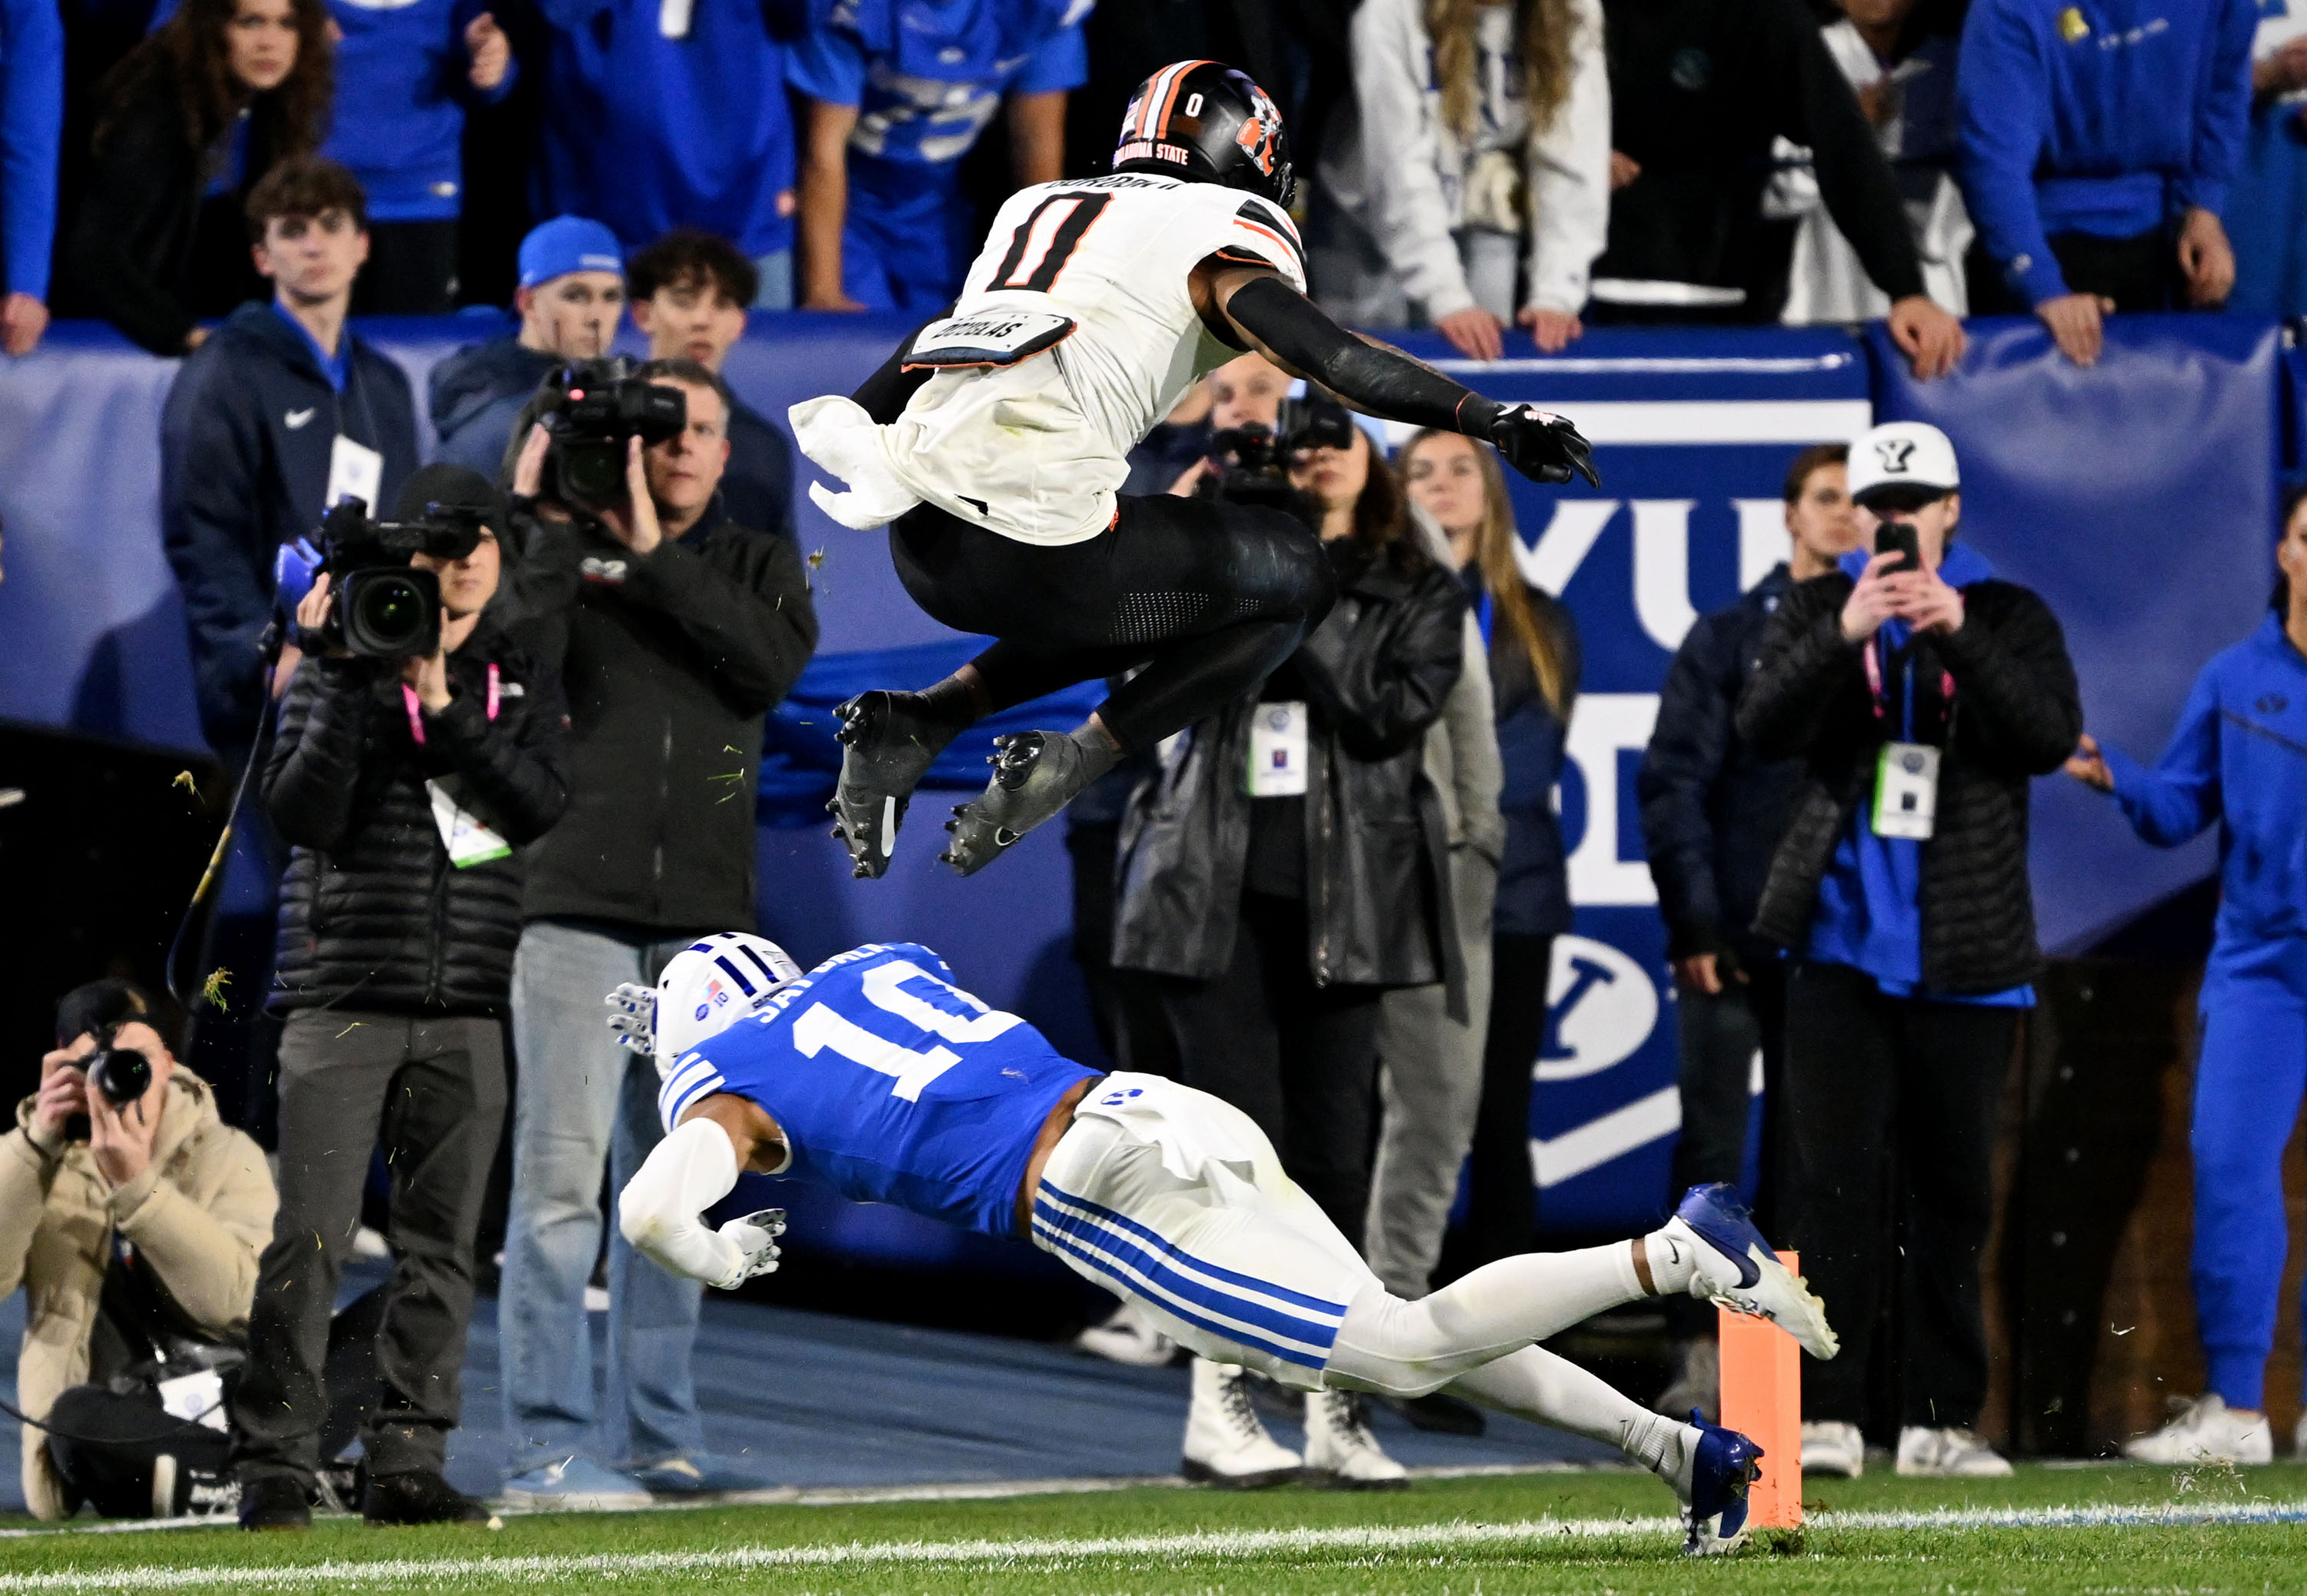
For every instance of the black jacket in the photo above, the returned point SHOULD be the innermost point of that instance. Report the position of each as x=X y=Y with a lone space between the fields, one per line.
x=1375 y=674
x=670 y=662
x=476 y=395
x=1698 y=90
x=245 y=438
x=2016 y=715
x=129 y=255
x=1533 y=873
x=757 y=488
x=1713 y=810
x=373 y=914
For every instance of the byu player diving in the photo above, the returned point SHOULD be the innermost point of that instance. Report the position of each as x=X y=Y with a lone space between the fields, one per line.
x=993 y=442
x=874 y=1075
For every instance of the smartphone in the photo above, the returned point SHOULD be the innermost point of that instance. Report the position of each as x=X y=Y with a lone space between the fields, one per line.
x=1898 y=537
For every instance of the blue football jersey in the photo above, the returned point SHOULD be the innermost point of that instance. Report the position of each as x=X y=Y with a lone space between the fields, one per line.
x=891 y=1085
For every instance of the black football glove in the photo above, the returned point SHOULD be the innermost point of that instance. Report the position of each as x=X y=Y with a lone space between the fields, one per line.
x=1543 y=447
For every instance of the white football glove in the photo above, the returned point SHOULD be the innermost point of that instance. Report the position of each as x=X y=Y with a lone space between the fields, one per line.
x=633 y=1016
x=755 y=1238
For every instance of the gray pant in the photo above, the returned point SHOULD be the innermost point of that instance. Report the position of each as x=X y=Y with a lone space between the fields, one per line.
x=1430 y=1088
x=585 y=1103
x=432 y=1092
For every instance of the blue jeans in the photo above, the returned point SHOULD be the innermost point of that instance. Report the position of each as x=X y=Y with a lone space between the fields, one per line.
x=580 y=1099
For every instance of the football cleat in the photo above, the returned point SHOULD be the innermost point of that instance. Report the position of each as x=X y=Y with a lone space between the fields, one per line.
x=1723 y=1464
x=1736 y=1269
x=888 y=741
x=1036 y=774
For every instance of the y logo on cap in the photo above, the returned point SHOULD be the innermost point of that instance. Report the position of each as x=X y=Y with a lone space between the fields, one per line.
x=1894 y=453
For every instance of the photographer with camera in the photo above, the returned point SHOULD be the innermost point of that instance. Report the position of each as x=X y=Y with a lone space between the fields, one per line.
x=418 y=745
x=677 y=630
x=132 y=1216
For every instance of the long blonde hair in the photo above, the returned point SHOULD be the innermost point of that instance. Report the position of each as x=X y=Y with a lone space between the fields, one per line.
x=1493 y=557
x=1542 y=35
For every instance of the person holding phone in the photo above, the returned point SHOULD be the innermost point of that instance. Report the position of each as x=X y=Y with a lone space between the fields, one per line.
x=1922 y=692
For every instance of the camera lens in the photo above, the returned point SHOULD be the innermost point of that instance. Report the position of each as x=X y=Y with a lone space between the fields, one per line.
x=389 y=611
x=593 y=471
x=122 y=1074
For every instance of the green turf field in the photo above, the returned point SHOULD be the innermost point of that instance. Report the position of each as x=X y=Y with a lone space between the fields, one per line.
x=1585 y=1532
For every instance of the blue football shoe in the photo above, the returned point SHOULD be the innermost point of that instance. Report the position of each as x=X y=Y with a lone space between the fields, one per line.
x=1736 y=1268
x=1723 y=1464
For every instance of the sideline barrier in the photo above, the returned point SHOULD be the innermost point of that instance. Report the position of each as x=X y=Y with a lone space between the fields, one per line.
x=2137 y=498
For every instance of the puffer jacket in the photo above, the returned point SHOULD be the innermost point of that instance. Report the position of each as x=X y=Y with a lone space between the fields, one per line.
x=199 y=1217
x=2017 y=715
x=1376 y=674
x=373 y=914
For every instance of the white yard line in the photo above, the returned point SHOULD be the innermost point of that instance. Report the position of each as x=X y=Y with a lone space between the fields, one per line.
x=1401 y=1537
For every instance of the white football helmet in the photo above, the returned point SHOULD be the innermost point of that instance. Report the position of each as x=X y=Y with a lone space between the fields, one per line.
x=705 y=989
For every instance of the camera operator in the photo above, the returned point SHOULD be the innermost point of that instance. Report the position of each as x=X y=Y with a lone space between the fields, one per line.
x=1922 y=694
x=680 y=630
x=404 y=783
x=131 y=1217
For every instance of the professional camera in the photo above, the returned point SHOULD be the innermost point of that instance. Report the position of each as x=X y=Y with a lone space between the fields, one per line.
x=593 y=409
x=1254 y=461
x=122 y=1074
x=383 y=607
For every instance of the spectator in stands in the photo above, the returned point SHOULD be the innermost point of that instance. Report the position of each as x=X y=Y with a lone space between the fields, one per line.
x=1698 y=93
x=1713 y=811
x=1281 y=916
x=2236 y=761
x=1899 y=58
x=664 y=114
x=31 y=121
x=1485 y=168
x=893 y=106
x=279 y=414
x=397 y=938
x=134 y=1231
x=191 y=122
x=404 y=74
x=1534 y=668
x=1921 y=700
x=2085 y=137
x=571 y=293
x=690 y=290
x=2267 y=218
x=682 y=630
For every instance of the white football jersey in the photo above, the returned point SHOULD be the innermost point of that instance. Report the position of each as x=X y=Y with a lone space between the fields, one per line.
x=1036 y=450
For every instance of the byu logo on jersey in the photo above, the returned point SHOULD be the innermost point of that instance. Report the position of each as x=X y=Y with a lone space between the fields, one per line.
x=1894 y=453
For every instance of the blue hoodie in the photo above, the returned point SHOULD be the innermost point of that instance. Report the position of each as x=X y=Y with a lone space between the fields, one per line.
x=31 y=129
x=2098 y=117
x=402 y=87
x=2239 y=757
x=1869 y=903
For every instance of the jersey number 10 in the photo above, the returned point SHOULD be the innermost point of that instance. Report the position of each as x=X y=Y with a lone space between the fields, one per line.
x=819 y=1028
x=1045 y=241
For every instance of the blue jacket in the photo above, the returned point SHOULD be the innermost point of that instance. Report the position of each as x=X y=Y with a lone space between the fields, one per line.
x=245 y=436
x=2098 y=117
x=646 y=133
x=475 y=397
x=1533 y=871
x=2239 y=757
x=31 y=129
x=402 y=89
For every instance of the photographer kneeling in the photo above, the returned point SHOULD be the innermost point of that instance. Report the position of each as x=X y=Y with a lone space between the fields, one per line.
x=132 y=1216
x=405 y=778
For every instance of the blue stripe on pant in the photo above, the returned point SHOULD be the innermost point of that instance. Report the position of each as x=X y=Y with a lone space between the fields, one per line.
x=2248 y=1088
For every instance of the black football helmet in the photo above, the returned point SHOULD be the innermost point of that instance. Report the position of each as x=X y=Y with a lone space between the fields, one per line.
x=1203 y=120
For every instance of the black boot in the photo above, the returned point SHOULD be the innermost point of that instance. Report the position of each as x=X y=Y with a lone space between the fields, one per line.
x=274 y=1502
x=419 y=1497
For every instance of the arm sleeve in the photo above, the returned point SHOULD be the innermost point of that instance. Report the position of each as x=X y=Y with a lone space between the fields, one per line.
x=314 y=771
x=524 y=778
x=827 y=64
x=690 y=1170
x=31 y=131
x=1568 y=174
x=1816 y=108
x=211 y=451
x=2222 y=109
x=110 y=260
x=1403 y=147
x=1060 y=61
x=1786 y=702
x=2181 y=795
x=1385 y=382
x=204 y=1252
x=1381 y=692
x=2003 y=113
x=755 y=628
x=1678 y=773
x=2016 y=687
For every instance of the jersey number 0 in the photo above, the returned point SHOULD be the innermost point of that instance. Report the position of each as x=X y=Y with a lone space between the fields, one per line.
x=1045 y=241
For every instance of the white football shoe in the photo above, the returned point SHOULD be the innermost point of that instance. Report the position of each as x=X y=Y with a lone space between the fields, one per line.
x=1129 y=1336
x=1340 y=1452
x=2206 y=1430
x=1226 y=1443
x=1836 y=1450
x=1736 y=1268
x=1953 y=1453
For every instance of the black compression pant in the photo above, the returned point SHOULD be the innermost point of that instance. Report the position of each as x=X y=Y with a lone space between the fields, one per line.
x=1208 y=597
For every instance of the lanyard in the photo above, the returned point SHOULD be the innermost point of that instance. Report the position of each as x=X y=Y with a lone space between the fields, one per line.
x=416 y=719
x=1872 y=656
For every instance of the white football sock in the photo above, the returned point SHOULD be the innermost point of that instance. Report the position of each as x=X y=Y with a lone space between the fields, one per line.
x=1534 y=1384
x=1674 y=1262
x=1407 y=1349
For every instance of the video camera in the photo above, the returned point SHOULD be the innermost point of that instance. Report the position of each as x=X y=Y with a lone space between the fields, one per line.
x=383 y=607
x=1254 y=460
x=122 y=1074
x=593 y=409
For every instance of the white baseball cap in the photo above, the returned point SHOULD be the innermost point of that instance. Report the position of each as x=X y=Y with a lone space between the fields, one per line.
x=1902 y=454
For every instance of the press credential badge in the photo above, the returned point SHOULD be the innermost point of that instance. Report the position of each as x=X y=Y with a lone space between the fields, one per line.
x=469 y=842
x=1277 y=751
x=356 y=470
x=1907 y=792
